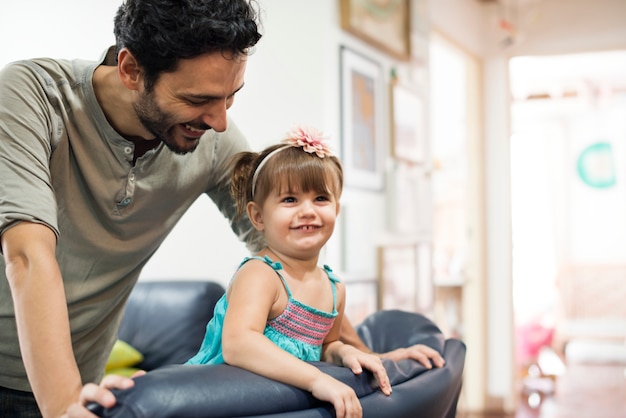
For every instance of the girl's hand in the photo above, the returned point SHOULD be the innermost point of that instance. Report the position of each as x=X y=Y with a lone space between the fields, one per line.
x=427 y=356
x=341 y=396
x=356 y=360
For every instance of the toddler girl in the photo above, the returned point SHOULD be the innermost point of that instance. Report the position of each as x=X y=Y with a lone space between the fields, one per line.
x=281 y=309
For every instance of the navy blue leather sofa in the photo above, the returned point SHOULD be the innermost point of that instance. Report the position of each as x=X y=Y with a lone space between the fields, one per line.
x=166 y=322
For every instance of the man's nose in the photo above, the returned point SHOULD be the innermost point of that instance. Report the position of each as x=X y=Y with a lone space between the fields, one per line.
x=216 y=117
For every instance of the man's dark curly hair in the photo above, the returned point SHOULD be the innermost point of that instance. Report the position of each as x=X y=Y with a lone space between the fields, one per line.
x=161 y=32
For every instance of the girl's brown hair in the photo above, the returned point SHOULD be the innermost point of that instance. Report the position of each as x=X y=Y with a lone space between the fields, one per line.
x=291 y=169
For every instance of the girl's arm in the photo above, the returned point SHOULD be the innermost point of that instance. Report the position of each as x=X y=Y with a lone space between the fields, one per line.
x=335 y=351
x=426 y=355
x=254 y=295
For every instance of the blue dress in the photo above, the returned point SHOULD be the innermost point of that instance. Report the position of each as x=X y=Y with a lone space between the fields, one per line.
x=300 y=329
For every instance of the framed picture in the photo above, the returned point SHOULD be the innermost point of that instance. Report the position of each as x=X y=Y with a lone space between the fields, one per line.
x=403 y=198
x=405 y=278
x=408 y=124
x=361 y=120
x=384 y=24
x=425 y=284
x=398 y=276
x=361 y=299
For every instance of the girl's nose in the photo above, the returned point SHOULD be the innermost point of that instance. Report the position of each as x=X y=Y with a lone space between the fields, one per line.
x=307 y=208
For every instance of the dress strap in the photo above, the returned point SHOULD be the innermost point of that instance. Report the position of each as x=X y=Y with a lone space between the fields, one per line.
x=275 y=265
x=333 y=284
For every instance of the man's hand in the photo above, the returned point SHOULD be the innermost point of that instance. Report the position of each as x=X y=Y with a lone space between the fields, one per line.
x=100 y=394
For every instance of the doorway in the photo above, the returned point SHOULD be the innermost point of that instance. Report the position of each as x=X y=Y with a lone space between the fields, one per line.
x=568 y=199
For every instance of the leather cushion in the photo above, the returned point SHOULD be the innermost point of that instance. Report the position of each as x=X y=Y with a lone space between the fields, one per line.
x=211 y=391
x=166 y=321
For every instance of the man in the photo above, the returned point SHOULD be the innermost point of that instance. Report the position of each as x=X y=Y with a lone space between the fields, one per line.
x=98 y=162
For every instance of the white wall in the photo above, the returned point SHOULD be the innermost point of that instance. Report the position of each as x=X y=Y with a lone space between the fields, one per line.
x=62 y=28
x=461 y=21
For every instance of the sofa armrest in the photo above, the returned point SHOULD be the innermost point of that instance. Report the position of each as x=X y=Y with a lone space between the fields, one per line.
x=209 y=391
x=387 y=330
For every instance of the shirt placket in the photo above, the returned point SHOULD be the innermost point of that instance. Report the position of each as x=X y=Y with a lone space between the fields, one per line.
x=129 y=188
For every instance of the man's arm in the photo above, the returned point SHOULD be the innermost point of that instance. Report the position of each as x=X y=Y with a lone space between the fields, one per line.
x=422 y=353
x=41 y=315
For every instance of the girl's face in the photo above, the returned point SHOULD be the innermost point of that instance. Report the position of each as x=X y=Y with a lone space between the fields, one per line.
x=294 y=223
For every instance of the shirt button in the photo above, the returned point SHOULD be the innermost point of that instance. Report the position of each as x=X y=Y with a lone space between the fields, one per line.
x=131 y=177
x=128 y=150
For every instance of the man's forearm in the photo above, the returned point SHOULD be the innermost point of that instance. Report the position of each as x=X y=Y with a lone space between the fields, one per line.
x=42 y=318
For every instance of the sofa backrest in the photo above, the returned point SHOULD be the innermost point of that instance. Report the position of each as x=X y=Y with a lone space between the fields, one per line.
x=166 y=320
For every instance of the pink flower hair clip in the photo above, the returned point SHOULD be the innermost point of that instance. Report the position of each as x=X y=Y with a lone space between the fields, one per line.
x=310 y=139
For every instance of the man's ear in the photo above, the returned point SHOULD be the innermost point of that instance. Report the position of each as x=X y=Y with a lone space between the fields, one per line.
x=129 y=70
x=255 y=216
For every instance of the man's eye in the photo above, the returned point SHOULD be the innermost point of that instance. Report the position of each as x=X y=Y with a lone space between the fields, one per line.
x=196 y=102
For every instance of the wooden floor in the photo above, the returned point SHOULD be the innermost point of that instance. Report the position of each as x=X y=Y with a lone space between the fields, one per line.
x=583 y=391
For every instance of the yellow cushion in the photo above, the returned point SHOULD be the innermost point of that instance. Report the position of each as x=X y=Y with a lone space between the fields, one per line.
x=123 y=371
x=123 y=355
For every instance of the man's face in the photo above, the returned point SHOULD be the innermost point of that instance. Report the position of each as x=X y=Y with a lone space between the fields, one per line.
x=183 y=104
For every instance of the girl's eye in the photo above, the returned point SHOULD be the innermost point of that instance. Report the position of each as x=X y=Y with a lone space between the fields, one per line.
x=289 y=199
x=322 y=198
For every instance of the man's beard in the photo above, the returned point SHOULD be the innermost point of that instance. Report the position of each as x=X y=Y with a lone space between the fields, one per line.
x=159 y=123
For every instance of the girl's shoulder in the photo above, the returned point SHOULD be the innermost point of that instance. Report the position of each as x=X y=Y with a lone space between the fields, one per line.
x=255 y=277
x=257 y=268
x=331 y=275
x=258 y=260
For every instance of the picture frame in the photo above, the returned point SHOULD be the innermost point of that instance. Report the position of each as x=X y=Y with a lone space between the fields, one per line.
x=362 y=299
x=405 y=277
x=362 y=120
x=425 y=282
x=386 y=25
x=398 y=276
x=408 y=124
x=404 y=183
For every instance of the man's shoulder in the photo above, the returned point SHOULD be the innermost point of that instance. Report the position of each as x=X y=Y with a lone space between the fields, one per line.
x=49 y=71
x=56 y=68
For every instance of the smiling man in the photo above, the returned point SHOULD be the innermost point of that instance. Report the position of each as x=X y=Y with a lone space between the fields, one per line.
x=98 y=162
